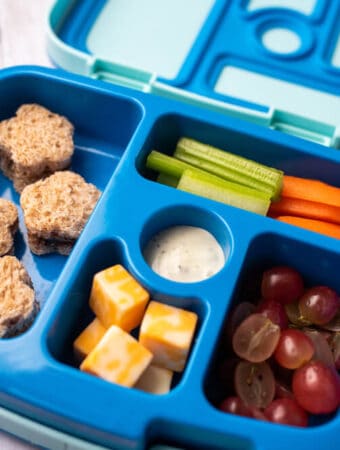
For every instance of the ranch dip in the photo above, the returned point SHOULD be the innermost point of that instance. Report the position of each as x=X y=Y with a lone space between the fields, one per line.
x=184 y=254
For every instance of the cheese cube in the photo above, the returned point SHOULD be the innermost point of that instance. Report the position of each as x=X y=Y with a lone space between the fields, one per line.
x=117 y=298
x=155 y=380
x=167 y=332
x=88 y=339
x=118 y=358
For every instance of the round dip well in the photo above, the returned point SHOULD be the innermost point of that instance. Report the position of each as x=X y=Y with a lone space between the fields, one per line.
x=184 y=254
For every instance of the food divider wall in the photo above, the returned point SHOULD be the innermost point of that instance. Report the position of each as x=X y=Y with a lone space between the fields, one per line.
x=115 y=130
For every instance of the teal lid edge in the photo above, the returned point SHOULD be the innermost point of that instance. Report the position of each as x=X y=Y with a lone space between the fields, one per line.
x=41 y=435
x=64 y=55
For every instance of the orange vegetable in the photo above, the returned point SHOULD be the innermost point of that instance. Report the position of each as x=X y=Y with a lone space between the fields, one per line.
x=318 y=226
x=288 y=206
x=309 y=189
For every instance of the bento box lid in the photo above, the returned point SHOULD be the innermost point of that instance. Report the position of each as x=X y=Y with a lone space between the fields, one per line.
x=272 y=62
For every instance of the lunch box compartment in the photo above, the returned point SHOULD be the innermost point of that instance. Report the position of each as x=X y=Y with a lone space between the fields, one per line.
x=316 y=265
x=74 y=314
x=188 y=216
x=103 y=127
x=102 y=121
x=311 y=161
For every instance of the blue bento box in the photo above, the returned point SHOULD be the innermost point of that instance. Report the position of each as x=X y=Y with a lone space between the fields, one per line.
x=260 y=78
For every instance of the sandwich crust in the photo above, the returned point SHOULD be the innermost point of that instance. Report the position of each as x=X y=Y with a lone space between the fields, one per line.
x=34 y=143
x=56 y=210
x=18 y=306
x=8 y=226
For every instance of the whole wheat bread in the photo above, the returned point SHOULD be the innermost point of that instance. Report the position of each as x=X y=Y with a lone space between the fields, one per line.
x=33 y=144
x=8 y=226
x=18 y=306
x=56 y=210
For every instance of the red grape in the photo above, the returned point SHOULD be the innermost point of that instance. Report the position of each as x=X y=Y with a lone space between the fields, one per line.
x=238 y=314
x=322 y=350
x=234 y=405
x=255 y=383
x=294 y=315
x=316 y=387
x=286 y=411
x=255 y=338
x=282 y=284
x=319 y=304
x=293 y=349
x=335 y=346
x=282 y=390
x=281 y=354
x=334 y=324
x=275 y=311
x=257 y=413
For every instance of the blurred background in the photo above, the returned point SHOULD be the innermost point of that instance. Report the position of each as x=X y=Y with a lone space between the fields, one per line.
x=22 y=41
x=22 y=32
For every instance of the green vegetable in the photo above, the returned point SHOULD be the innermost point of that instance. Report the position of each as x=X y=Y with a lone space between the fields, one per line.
x=230 y=166
x=166 y=164
x=170 y=169
x=215 y=188
x=168 y=180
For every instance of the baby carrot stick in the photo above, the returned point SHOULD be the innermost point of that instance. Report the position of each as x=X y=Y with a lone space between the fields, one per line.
x=318 y=226
x=288 y=206
x=310 y=189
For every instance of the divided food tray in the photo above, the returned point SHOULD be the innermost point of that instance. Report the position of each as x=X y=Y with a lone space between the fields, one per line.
x=212 y=71
x=115 y=129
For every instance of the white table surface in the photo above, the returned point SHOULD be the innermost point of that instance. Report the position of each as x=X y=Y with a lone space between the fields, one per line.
x=22 y=41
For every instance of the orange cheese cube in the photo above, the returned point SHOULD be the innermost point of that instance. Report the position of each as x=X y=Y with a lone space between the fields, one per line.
x=167 y=332
x=117 y=298
x=155 y=380
x=118 y=358
x=88 y=339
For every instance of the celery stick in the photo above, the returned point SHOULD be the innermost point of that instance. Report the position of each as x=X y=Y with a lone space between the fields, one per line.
x=225 y=172
x=230 y=166
x=214 y=188
x=168 y=180
x=166 y=164
x=170 y=169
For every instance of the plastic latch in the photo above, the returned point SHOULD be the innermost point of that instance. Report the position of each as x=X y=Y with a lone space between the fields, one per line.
x=101 y=69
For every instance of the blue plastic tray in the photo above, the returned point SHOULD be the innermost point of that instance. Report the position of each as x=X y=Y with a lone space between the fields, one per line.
x=116 y=125
x=115 y=130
